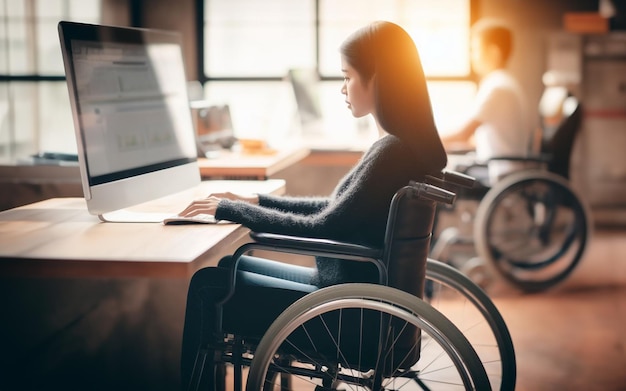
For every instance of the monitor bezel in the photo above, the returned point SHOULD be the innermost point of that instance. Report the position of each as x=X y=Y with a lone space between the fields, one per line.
x=119 y=190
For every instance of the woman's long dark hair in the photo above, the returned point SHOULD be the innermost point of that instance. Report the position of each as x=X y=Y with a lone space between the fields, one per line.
x=384 y=51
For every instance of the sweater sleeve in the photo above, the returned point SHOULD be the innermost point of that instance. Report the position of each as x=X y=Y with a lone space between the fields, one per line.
x=358 y=213
x=299 y=205
x=264 y=219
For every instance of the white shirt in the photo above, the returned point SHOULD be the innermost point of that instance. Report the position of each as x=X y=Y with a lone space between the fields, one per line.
x=505 y=129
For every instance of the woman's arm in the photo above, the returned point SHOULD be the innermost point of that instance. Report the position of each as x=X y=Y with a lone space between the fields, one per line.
x=299 y=205
x=358 y=213
x=302 y=205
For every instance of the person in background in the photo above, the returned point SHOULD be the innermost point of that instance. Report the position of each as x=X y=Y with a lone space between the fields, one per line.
x=498 y=123
x=383 y=77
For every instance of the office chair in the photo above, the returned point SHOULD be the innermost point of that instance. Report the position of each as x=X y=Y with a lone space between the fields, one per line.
x=412 y=326
x=531 y=227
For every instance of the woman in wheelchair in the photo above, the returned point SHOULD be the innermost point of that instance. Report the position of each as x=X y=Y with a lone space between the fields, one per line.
x=383 y=77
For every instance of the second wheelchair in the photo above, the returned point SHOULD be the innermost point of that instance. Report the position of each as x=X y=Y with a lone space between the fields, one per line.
x=531 y=227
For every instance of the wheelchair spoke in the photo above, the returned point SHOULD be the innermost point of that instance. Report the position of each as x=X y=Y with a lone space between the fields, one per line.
x=387 y=356
x=471 y=310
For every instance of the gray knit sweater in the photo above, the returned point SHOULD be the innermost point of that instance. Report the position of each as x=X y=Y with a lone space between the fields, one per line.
x=355 y=212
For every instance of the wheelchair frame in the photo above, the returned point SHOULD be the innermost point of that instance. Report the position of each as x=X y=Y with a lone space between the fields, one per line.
x=423 y=314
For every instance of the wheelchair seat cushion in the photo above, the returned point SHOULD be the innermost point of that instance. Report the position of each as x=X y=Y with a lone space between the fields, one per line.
x=333 y=271
x=264 y=288
x=249 y=279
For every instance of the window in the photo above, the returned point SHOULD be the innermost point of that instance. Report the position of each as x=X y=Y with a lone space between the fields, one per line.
x=439 y=29
x=32 y=84
x=247 y=38
x=249 y=46
x=252 y=39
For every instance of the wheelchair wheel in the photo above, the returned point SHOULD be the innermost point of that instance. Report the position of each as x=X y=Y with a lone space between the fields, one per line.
x=470 y=309
x=365 y=337
x=532 y=228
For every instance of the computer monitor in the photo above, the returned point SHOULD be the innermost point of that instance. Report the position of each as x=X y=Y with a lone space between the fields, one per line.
x=133 y=125
x=305 y=85
x=214 y=128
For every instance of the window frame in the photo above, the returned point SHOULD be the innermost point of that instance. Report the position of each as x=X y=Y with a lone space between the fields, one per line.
x=203 y=78
x=12 y=150
x=42 y=77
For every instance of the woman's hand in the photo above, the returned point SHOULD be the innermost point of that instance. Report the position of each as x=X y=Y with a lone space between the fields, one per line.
x=209 y=205
x=204 y=206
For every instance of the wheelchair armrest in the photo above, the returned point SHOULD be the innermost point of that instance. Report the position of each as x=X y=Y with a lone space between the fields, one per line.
x=310 y=247
x=315 y=245
x=540 y=159
x=305 y=246
x=534 y=159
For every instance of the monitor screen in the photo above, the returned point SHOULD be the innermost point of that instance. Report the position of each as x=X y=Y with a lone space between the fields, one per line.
x=214 y=127
x=134 y=130
x=305 y=84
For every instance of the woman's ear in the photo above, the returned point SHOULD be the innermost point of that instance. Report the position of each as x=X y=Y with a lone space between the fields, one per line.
x=372 y=88
x=372 y=83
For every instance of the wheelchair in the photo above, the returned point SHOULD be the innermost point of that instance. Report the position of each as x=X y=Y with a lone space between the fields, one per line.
x=423 y=326
x=531 y=227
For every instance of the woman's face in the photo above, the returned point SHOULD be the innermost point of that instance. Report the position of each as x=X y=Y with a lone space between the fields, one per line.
x=359 y=93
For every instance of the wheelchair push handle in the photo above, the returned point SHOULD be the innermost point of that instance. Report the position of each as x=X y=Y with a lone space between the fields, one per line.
x=452 y=177
x=433 y=193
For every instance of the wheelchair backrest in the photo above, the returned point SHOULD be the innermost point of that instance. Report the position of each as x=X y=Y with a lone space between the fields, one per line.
x=408 y=235
x=407 y=244
x=558 y=145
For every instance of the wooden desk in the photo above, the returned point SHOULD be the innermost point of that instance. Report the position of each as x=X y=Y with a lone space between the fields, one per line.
x=59 y=238
x=243 y=165
x=86 y=302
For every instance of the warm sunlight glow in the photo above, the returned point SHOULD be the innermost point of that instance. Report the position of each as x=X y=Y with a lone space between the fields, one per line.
x=441 y=32
x=251 y=38
x=247 y=38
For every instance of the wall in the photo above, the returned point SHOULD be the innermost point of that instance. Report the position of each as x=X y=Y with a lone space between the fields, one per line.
x=116 y=12
x=175 y=15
